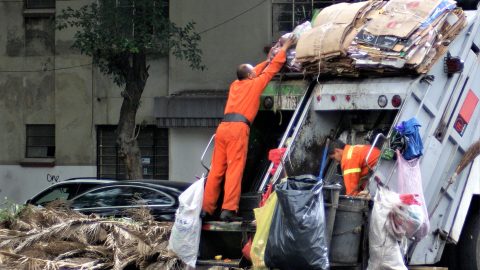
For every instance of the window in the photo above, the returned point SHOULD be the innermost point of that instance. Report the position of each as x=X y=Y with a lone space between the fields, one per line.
x=153 y=143
x=65 y=191
x=34 y=4
x=40 y=141
x=39 y=36
x=118 y=196
x=129 y=4
x=289 y=13
x=58 y=193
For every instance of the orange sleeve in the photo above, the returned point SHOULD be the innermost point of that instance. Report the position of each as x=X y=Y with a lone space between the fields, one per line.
x=372 y=161
x=261 y=81
x=260 y=67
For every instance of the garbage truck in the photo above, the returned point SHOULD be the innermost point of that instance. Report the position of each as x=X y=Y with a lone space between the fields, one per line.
x=300 y=114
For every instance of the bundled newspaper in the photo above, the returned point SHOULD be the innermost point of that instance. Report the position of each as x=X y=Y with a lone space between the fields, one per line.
x=379 y=36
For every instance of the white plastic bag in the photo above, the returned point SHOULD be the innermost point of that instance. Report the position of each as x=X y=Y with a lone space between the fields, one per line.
x=410 y=181
x=385 y=251
x=185 y=237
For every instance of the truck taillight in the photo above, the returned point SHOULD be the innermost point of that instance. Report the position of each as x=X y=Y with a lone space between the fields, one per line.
x=382 y=101
x=453 y=65
x=333 y=98
x=396 y=101
x=347 y=98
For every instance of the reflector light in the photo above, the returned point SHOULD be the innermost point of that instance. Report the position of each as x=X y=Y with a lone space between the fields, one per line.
x=382 y=101
x=319 y=98
x=333 y=98
x=347 y=98
x=396 y=101
x=453 y=64
x=268 y=102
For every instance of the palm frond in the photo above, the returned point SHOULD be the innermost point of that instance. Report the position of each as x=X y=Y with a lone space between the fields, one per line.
x=73 y=240
x=472 y=152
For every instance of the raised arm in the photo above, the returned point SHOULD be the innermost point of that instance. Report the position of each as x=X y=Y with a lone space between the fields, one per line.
x=260 y=67
x=275 y=65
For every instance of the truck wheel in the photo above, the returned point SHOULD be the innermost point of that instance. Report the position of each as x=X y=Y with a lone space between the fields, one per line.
x=469 y=244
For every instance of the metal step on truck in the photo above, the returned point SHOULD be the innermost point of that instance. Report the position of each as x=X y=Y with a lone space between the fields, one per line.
x=301 y=113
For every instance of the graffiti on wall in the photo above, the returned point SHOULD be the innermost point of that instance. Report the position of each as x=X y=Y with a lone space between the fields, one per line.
x=51 y=178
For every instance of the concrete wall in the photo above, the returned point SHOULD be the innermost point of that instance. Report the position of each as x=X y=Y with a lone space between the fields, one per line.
x=25 y=97
x=19 y=184
x=224 y=47
x=59 y=86
x=186 y=148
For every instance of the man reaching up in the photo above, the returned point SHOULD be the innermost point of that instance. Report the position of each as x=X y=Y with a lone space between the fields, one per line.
x=231 y=139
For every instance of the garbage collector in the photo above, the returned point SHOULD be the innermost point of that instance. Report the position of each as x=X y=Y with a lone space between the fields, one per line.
x=231 y=139
x=355 y=168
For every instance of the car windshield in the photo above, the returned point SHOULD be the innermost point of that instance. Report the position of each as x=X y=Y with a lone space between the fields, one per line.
x=120 y=196
x=61 y=193
x=64 y=191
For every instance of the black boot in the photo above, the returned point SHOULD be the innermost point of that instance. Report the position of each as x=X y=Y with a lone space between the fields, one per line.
x=229 y=216
x=206 y=216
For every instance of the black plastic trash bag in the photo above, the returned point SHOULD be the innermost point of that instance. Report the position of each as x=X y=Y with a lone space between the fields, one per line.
x=297 y=233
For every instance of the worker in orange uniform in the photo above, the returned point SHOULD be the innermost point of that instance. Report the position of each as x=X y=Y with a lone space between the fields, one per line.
x=231 y=139
x=354 y=167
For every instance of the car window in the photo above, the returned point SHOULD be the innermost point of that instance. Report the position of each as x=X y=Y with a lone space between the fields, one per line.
x=65 y=191
x=118 y=196
x=52 y=195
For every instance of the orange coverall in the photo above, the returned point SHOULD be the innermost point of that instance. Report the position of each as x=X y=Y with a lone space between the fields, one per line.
x=231 y=139
x=354 y=166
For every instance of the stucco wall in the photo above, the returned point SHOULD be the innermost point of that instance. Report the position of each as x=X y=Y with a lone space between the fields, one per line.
x=19 y=184
x=186 y=148
x=25 y=97
x=236 y=41
x=59 y=86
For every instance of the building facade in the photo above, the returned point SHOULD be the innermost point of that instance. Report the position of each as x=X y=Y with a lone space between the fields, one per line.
x=58 y=112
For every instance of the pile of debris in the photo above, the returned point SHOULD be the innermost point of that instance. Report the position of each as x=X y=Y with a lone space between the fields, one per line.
x=397 y=36
x=56 y=237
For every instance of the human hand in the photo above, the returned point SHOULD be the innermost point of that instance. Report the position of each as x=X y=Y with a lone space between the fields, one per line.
x=289 y=42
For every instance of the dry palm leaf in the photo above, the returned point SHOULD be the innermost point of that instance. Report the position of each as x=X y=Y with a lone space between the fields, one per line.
x=472 y=152
x=73 y=240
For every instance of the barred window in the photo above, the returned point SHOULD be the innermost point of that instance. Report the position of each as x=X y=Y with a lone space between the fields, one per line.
x=36 y=4
x=289 y=13
x=153 y=144
x=40 y=141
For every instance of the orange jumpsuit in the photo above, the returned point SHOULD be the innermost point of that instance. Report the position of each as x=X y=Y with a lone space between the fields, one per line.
x=231 y=139
x=354 y=166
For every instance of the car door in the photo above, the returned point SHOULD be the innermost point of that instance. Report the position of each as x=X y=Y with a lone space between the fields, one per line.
x=116 y=200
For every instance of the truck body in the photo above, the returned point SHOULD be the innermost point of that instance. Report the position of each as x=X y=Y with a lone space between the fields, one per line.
x=354 y=109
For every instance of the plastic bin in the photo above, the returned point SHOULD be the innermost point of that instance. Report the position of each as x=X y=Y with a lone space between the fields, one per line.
x=345 y=241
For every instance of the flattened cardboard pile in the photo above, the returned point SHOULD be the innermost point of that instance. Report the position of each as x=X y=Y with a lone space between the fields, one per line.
x=381 y=37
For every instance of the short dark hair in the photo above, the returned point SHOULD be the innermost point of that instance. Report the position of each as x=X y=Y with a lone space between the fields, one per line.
x=242 y=72
x=335 y=144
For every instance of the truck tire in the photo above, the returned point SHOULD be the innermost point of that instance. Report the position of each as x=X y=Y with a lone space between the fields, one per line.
x=469 y=244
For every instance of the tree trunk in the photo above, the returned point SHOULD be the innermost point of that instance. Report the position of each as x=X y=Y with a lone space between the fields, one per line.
x=136 y=77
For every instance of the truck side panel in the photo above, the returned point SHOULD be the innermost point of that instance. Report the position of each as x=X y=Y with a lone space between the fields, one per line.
x=436 y=107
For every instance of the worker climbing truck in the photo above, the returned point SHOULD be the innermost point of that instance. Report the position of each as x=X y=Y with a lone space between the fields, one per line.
x=302 y=114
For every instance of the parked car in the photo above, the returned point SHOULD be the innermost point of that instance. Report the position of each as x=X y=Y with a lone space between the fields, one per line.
x=67 y=190
x=114 y=199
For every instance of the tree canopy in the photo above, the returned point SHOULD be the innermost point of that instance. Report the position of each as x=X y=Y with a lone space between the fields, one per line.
x=111 y=31
x=118 y=35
